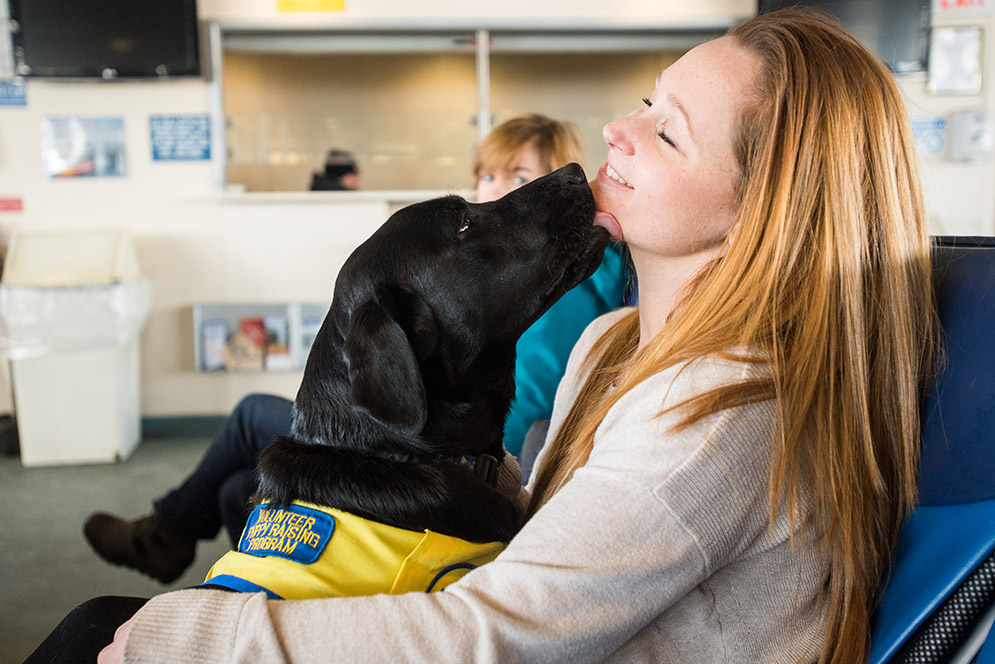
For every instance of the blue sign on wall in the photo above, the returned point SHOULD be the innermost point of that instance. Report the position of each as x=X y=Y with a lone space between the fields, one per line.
x=929 y=133
x=180 y=137
x=13 y=93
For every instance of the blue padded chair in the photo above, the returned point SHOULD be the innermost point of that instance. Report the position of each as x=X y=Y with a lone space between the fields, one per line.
x=938 y=604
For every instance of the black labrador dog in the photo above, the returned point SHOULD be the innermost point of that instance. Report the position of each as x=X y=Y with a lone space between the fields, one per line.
x=400 y=415
x=412 y=372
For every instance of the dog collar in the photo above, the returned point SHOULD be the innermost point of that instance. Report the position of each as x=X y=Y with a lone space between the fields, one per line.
x=484 y=465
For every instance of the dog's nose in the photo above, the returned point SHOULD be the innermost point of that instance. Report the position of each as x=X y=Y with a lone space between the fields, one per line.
x=574 y=174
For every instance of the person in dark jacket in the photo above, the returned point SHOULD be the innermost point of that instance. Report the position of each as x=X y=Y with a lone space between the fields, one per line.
x=340 y=174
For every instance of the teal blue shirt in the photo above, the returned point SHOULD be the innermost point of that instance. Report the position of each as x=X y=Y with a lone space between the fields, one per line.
x=543 y=350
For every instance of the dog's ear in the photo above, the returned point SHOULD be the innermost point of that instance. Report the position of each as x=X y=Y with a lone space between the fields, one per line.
x=384 y=372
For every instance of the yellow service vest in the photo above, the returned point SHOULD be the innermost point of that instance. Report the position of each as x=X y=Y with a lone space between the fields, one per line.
x=305 y=551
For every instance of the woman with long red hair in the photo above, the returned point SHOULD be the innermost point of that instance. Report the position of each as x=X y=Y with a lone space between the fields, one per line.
x=729 y=463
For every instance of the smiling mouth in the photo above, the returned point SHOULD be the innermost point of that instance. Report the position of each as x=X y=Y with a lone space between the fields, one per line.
x=610 y=172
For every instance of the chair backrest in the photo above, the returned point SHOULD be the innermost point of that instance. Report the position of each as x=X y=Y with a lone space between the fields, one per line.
x=952 y=532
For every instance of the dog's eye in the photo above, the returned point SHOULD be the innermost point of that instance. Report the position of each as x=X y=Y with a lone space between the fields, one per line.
x=464 y=225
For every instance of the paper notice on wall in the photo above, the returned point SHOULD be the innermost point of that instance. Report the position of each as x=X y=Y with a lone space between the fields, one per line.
x=180 y=137
x=930 y=134
x=310 y=5
x=13 y=93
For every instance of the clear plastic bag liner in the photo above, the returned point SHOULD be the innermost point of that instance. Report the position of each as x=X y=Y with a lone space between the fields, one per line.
x=37 y=321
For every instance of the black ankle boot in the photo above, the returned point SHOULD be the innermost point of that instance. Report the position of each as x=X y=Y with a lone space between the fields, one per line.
x=142 y=544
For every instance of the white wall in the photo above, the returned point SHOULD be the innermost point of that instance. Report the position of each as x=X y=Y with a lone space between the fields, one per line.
x=960 y=195
x=195 y=244
x=559 y=12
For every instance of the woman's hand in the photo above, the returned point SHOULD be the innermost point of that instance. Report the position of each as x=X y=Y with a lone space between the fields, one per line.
x=114 y=653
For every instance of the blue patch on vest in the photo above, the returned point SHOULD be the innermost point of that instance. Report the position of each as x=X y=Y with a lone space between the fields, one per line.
x=296 y=533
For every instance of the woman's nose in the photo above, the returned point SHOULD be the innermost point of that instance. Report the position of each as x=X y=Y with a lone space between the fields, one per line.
x=491 y=191
x=616 y=134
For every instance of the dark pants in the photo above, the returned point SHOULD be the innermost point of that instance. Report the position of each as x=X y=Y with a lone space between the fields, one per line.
x=215 y=494
x=218 y=491
x=85 y=631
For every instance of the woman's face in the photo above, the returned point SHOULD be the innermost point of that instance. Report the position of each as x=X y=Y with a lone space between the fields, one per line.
x=669 y=180
x=493 y=183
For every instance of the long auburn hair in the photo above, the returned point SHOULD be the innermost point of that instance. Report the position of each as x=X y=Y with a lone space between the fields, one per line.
x=826 y=278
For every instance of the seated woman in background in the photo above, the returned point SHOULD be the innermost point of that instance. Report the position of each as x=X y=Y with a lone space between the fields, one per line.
x=340 y=173
x=730 y=462
x=163 y=543
x=516 y=152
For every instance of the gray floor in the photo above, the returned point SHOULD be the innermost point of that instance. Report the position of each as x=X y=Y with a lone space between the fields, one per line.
x=46 y=567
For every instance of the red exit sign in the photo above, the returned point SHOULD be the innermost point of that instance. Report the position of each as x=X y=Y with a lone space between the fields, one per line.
x=962 y=5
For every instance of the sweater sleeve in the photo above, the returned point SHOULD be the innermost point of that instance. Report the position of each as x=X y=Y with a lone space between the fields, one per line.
x=608 y=554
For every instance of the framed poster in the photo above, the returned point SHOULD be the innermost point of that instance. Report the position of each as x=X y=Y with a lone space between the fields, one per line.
x=74 y=146
x=955 y=54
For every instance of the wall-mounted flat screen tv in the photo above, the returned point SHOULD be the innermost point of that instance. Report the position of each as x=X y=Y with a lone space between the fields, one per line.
x=106 y=39
x=896 y=30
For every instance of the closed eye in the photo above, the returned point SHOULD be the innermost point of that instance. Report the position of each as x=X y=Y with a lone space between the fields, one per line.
x=662 y=134
x=666 y=139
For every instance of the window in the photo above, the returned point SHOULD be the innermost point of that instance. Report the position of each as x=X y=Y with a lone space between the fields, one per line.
x=407 y=104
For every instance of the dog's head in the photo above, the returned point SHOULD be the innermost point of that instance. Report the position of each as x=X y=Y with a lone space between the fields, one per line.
x=417 y=351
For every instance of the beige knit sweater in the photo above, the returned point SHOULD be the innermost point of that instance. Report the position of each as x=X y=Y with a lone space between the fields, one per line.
x=658 y=550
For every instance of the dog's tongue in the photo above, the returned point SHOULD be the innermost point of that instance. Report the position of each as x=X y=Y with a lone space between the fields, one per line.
x=609 y=223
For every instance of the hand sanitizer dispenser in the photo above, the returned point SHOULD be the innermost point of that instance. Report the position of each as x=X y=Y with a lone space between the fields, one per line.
x=971 y=135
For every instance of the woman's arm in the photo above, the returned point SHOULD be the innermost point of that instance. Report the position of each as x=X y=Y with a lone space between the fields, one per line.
x=602 y=559
x=574 y=585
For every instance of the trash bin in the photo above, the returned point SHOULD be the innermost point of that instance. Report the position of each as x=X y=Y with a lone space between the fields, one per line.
x=72 y=305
